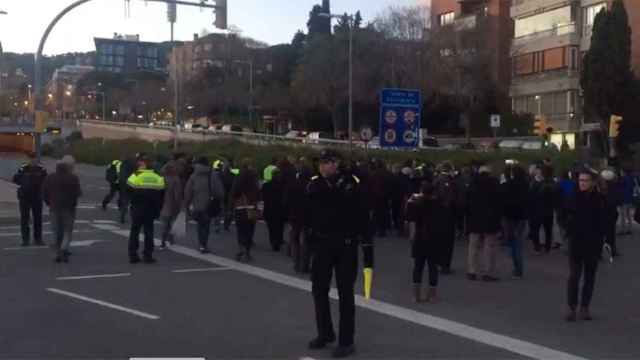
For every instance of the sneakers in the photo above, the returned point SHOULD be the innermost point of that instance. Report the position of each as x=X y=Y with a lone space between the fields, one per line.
x=321 y=343
x=343 y=351
x=204 y=250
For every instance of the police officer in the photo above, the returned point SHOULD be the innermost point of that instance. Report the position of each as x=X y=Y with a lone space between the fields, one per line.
x=112 y=176
x=30 y=178
x=146 y=189
x=335 y=216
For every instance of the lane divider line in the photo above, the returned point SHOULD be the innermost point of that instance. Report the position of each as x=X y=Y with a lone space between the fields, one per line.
x=104 y=304
x=83 y=277
x=200 y=270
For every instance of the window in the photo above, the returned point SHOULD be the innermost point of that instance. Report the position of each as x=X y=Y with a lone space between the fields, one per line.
x=446 y=18
x=119 y=60
x=554 y=59
x=558 y=21
x=524 y=64
x=589 y=16
x=107 y=49
x=208 y=47
x=120 y=50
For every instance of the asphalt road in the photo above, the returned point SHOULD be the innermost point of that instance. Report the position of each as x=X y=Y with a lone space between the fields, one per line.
x=220 y=309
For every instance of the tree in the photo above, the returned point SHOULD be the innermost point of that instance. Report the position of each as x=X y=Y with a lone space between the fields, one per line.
x=606 y=77
x=318 y=25
x=408 y=23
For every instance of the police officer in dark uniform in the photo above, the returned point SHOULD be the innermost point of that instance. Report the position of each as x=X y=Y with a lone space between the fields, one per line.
x=336 y=217
x=30 y=178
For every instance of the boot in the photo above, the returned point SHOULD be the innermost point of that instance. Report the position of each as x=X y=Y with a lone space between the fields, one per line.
x=417 y=293
x=585 y=314
x=432 y=295
x=571 y=315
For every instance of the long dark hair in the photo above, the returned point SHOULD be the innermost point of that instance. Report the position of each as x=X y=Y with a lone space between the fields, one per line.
x=246 y=183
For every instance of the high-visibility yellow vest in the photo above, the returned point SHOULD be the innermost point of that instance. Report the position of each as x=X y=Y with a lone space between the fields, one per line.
x=146 y=179
x=268 y=172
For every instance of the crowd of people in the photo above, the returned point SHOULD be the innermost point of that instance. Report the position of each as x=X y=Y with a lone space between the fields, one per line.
x=325 y=199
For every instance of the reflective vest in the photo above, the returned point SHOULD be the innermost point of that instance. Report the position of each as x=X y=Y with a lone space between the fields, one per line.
x=217 y=164
x=268 y=172
x=146 y=180
x=235 y=172
x=118 y=165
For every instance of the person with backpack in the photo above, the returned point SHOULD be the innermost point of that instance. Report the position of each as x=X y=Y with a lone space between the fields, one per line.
x=203 y=197
x=29 y=179
x=112 y=176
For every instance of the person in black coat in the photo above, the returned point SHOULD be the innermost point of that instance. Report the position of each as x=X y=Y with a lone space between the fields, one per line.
x=427 y=229
x=586 y=226
x=484 y=214
x=515 y=192
x=543 y=199
x=274 y=209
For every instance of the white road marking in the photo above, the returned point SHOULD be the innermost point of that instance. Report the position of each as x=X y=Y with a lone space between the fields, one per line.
x=104 y=303
x=26 y=248
x=79 y=243
x=104 y=222
x=85 y=277
x=200 y=270
x=20 y=234
x=106 y=227
x=479 y=335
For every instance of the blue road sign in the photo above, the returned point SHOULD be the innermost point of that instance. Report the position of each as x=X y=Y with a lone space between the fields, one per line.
x=400 y=111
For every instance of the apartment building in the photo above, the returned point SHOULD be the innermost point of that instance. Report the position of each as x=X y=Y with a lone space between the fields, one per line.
x=484 y=24
x=549 y=41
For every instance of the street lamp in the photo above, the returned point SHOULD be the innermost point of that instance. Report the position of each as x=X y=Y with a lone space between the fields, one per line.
x=351 y=19
x=250 y=63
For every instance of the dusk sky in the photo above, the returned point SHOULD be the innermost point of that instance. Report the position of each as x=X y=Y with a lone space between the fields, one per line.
x=271 y=21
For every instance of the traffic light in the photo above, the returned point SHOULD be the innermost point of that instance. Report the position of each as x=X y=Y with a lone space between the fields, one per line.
x=614 y=126
x=221 y=14
x=540 y=126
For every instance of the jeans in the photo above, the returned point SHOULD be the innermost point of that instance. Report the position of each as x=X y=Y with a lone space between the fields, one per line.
x=610 y=233
x=418 y=270
x=276 y=233
x=298 y=238
x=27 y=208
x=486 y=242
x=62 y=223
x=515 y=232
x=113 y=190
x=578 y=265
x=245 y=229
x=547 y=223
x=167 y=224
x=204 y=227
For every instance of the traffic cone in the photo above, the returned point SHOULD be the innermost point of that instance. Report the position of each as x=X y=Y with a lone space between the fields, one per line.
x=368 y=279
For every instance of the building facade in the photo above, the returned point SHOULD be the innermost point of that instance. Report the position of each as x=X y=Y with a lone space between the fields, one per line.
x=127 y=54
x=477 y=25
x=549 y=42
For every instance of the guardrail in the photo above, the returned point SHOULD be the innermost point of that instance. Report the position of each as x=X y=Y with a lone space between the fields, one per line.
x=260 y=138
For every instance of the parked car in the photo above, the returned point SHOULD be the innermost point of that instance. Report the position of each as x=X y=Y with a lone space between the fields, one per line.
x=294 y=134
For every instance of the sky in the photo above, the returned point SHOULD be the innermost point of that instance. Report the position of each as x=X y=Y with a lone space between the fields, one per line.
x=271 y=21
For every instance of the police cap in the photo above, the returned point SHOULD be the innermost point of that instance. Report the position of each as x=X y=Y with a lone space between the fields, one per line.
x=329 y=155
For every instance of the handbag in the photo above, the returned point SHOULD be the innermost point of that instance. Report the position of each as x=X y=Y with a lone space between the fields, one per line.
x=214 y=207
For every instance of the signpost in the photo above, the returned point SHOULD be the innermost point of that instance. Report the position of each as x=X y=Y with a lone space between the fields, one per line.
x=366 y=134
x=400 y=114
x=495 y=124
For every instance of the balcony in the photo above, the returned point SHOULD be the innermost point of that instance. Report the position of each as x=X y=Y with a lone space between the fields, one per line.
x=545 y=82
x=559 y=30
